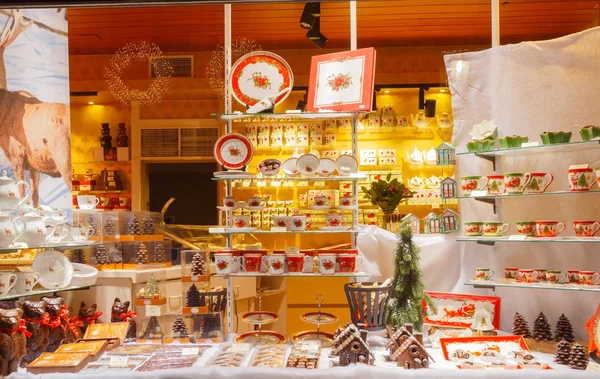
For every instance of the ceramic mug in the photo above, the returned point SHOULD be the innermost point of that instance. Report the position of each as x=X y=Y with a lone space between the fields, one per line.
x=586 y=228
x=8 y=280
x=580 y=179
x=495 y=184
x=348 y=201
x=555 y=276
x=297 y=223
x=588 y=277
x=526 y=275
x=26 y=281
x=549 y=228
x=539 y=274
x=511 y=273
x=224 y=262
x=123 y=201
x=229 y=202
x=494 y=228
x=255 y=201
x=598 y=175
x=241 y=221
x=349 y=262
x=327 y=263
x=474 y=228
x=321 y=201
x=275 y=263
x=573 y=276
x=280 y=221
x=334 y=220
x=483 y=273
x=81 y=234
x=539 y=182
x=297 y=262
x=251 y=262
x=60 y=233
x=516 y=182
x=87 y=201
x=105 y=201
x=526 y=228
x=472 y=183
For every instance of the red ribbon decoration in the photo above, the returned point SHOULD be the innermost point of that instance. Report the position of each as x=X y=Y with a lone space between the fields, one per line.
x=124 y=316
x=73 y=324
x=45 y=320
x=21 y=328
x=93 y=319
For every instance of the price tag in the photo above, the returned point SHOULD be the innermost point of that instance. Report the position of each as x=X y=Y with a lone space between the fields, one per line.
x=246 y=183
x=517 y=237
x=288 y=183
x=435 y=206
x=261 y=184
x=319 y=184
x=190 y=351
x=216 y=230
x=275 y=184
x=530 y=144
x=478 y=193
x=118 y=361
x=240 y=347
x=292 y=250
x=303 y=183
x=152 y=310
x=278 y=229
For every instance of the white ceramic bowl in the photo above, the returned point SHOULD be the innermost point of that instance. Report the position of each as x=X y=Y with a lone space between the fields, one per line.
x=326 y=167
x=269 y=167
x=346 y=165
x=83 y=275
x=54 y=269
x=308 y=164
x=289 y=167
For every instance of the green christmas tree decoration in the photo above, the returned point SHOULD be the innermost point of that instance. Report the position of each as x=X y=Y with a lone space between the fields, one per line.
x=179 y=329
x=494 y=186
x=152 y=290
x=546 y=229
x=533 y=185
x=580 y=230
x=582 y=181
x=405 y=304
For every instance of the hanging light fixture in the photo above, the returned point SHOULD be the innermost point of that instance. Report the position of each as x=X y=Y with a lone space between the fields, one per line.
x=310 y=14
x=315 y=35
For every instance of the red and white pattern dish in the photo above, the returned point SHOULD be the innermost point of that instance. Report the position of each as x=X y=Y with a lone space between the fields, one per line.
x=326 y=167
x=308 y=164
x=233 y=151
x=290 y=167
x=346 y=165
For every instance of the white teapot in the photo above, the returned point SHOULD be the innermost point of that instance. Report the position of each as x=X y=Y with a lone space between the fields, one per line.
x=8 y=229
x=430 y=156
x=416 y=182
x=35 y=232
x=444 y=121
x=432 y=182
x=9 y=193
x=420 y=121
x=416 y=157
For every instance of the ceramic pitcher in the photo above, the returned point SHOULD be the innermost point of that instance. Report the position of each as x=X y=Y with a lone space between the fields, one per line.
x=9 y=193
x=35 y=231
x=8 y=229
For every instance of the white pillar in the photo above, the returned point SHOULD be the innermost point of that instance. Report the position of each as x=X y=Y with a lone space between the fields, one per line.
x=353 y=36
x=495 y=23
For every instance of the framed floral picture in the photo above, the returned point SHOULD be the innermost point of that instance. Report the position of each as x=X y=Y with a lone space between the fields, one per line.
x=342 y=82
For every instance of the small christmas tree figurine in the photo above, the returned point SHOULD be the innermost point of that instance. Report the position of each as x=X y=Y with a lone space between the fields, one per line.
x=116 y=254
x=563 y=350
x=93 y=224
x=198 y=264
x=148 y=225
x=179 y=329
x=109 y=228
x=77 y=256
x=153 y=329
x=578 y=357
x=564 y=330
x=520 y=326
x=192 y=297
x=100 y=255
x=541 y=328
x=159 y=252
x=141 y=256
x=582 y=182
x=133 y=227
x=152 y=290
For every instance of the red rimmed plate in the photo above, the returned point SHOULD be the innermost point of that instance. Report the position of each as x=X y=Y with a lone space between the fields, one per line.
x=325 y=338
x=260 y=318
x=258 y=75
x=319 y=318
x=233 y=151
x=264 y=337
x=505 y=344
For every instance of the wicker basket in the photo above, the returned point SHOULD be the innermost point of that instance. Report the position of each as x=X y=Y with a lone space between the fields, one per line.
x=216 y=301
x=368 y=306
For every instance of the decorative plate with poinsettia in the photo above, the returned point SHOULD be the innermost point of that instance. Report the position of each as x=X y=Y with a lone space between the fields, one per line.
x=258 y=75
x=233 y=151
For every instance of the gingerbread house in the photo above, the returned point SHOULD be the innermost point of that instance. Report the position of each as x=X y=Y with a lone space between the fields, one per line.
x=408 y=351
x=351 y=347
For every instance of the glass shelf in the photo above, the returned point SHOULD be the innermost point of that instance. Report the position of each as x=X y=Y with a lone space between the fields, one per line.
x=59 y=246
x=562 y=147
x=300 y=274
x=539 y=286
x=555 y=193
x=284 y=116
x=46 y=292
x=261 y=231
x=492 y=240
x=354 y=176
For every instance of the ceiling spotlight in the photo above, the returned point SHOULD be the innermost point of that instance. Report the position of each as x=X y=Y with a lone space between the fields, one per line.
x=90 y=102
x=442 y=90
x=386 y=91
x=315 y=35
x=311 y=12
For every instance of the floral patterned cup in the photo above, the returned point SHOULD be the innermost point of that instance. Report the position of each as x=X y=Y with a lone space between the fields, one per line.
x=511 y=273
x=549 y=228
x=483 y=273
x=555 y=276
x=588 y=277
x=580 y=179
x=526 y=228
x=494 y=228
x=275 y=263
x=585 y=228
x=472 y=183
x=526 y=275
x=297 y=223
x=297 y=262
x=240 y=221
x=251 y=262
x=255 y=201
x=327 y=263
x=516 y=182
x=229 y=202
x=474 y=228
x=321 y=201
x=334 y=220
x=280 y=221
x=347 y=201
x=539 y=274
x=539 y=182
x=573 y=276
x=224 y=262
x=495 y=184
x=348 y=262
x=8 y=280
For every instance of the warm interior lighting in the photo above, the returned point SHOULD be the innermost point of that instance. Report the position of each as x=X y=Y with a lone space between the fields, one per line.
x=386 y=91
x=442 y=90
x=90 y=102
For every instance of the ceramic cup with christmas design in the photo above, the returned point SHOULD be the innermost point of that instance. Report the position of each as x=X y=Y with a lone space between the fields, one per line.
x=297 y=262
x=472 y=183
x=26 y=281
x=251 y=262
x=275 y=263
x=573 y=276
x=348 y=201
x=598 y=175
x=511 y=273
x=580 y=179
x=82 y=233
x=8 y=280
x=224 y=262
x=334 y=220
x=473 y=229
x=555 y=276
x=516 y=182
x=87 y=201
x=539 y=182
x=327 y=263
x=494 y=228
x=60 y=233
x=495 y=184
x=526 y=228
x=526 y=275
x=297 y=223
x=255 y=201
x=349 y=262
x=280 y=221
x=321 y=201
x=586 y=228
x=229 y=202
x=483 y=273
x=539 y=274
x=241 y=221
x=588 y=277
x=549 y=228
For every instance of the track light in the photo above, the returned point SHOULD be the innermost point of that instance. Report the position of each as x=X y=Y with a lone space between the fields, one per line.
x=310 y=14
x=315 y=35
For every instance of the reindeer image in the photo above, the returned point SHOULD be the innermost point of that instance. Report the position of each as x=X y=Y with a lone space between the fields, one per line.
x=34 y=135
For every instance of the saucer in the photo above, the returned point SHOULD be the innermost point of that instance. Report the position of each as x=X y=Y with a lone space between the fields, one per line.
x=241 y=230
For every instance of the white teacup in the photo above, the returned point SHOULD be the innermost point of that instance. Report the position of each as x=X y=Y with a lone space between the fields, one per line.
x=82 y=234
x=26 y=281
x=297 y=223
x=59 y=234
x=255 y=201
x=280 y=221
x=241 y=221
x=348 y=201
x=321 y=201
x=334 y=220
x=224 y=262
x=327 y=263
x=87 y=201
x=8 y=279
x=275 y=263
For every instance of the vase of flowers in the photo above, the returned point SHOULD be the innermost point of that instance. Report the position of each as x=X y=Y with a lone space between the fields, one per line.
x=387 y=194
